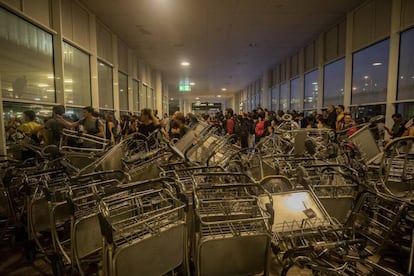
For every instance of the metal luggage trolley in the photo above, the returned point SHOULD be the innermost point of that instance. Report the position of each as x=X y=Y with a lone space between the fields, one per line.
x=397 y=168
x=335 y=185
x=305 y=235
x=232 y=233
x=386 y=223
x=144 y=231
x=75 y=206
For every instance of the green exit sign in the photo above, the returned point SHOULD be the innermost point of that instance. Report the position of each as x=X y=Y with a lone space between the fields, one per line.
x=184 y=86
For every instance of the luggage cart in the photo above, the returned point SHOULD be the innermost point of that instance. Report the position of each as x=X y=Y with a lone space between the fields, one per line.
x=397 y=168
x=231 y=230
x=305 y=235
x=386 y=223
x=144 y=232
x=335 y=185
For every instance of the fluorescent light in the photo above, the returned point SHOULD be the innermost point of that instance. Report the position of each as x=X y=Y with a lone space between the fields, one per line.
x=36 y=99
x=366 y=77
x=121 y=90
x=185 y=63
x=68 y=81
x=68 y=90
x=192 y=83
x=402 y=77
x=10 y=89
x=101 y=64
x=50 y=90
x=171 y=99
x=45 y=97
x=197 y=98
x=50 y=77
x=376 y=64
x=70 y=102
x=354 y=88
x=314 y=83
x=223 y=89
x=218 y=96
x=43 y=85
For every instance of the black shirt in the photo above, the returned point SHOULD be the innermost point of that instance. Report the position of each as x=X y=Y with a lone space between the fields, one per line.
x=147 y=129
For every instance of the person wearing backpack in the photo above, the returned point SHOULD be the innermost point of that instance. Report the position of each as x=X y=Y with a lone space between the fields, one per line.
x=90 y=124
x=241 y=129
x=260 y=128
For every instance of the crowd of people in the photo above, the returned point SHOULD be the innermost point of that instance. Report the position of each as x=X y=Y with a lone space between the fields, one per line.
x=247 y=128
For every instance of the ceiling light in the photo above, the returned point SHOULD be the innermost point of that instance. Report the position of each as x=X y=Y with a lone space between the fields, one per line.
x=185 y=63
x=121 y=90
x=192 y=83
x=45 y=97
x=366 y=77
x=42 y=85
x=402 y=77
x=171 y=99
x=314 y=83
x=10 y=89
x=223 y=89
x=197 y=98
x=36 y=99
x=68 y=81
x=50 y=77
x=68 y=90
x=376 y=64
x=70 y=102
x=218 y=96
x=50 y=90
x=101 y=64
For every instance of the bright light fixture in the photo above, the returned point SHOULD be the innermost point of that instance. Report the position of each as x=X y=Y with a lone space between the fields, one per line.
x=314 y=83
x=42 y=85
x=50 y=90
x=218 y=96
x=192 y=83
x=68 y=90
x=224 y=89
x=197 y=98
x=36 y=99
x=68 y=81
x=376 y=64
x=171 y=99
x=366 y=77
x=50 y=77
x=185 y=63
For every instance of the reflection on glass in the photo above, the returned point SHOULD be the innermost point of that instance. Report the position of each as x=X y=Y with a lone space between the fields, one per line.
x=369 y=76
x=275 y=98
x=368 y=111
x=143 y=96
x=406 y=110
x=135 y=91
x=334 y=79
x=406 y=66
x=294 y=94
x=123 y=91
x=284 y=96
x=106 y=95
x=311 y=90
x=77 y=84
x=26 y=60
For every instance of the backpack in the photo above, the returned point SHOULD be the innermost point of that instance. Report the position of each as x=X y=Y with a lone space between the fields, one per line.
x=259 y=130
x=230 y=126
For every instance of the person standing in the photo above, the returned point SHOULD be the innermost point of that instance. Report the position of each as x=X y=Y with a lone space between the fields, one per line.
x=149 y=123
x=331 y=119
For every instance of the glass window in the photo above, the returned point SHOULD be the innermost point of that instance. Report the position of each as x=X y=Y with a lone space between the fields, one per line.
x=135 y=91
x=123 y=91
x=406 y=66
x=143 y=97
x=294 y=94
x=77 y=83
x=333 y=83
x=406 y=110
x=368 y=111
x=26 y=60
x=275 y=98
x=311 y=90
x=283 y=102
x=105 y=80
x=369 y=76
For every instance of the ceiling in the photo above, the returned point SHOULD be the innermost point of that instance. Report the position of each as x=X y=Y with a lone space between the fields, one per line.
x=229 y=43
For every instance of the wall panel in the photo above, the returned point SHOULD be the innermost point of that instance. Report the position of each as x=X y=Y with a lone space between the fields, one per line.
x=407 y=16
x=80 y=25
x=104 y=42
x=67 y=26
x=39 y=10
x=122 y=56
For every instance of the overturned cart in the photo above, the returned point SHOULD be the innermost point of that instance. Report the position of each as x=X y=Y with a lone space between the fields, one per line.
x=231 y=234
x=306 y=237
